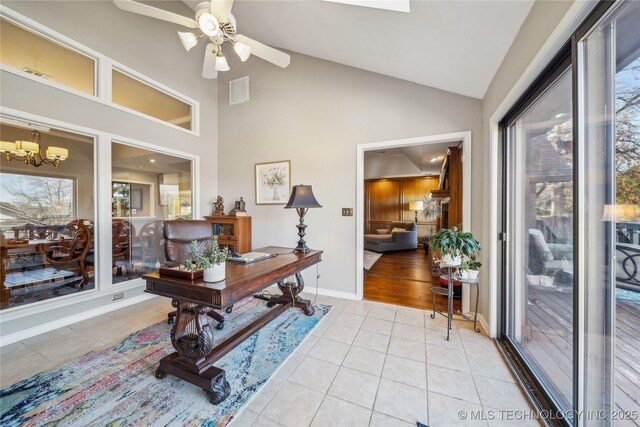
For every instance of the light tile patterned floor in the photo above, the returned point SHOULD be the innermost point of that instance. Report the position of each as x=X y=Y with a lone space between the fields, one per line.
x=366 y=364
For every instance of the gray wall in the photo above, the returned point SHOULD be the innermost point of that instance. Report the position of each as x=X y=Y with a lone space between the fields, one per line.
x=536 y=29
x=314 y=113
x=146 y=45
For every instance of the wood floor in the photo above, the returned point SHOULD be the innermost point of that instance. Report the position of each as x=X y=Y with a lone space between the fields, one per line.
x=550 y=344
x=403 y=278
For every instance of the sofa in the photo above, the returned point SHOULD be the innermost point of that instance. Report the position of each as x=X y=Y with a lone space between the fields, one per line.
x=389 y=240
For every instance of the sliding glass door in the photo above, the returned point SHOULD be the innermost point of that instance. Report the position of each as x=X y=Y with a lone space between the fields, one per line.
x=609 y=173
x=571 y=318
x=540 y=229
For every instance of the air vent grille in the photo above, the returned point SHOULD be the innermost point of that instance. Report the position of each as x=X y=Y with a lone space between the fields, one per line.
x=37 y=73
x=239 y=91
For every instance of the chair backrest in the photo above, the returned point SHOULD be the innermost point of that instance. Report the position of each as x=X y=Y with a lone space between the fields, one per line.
x=72 y=248
x=152 y=235
x=122 y=233
x=179 y=234
x=540 y=245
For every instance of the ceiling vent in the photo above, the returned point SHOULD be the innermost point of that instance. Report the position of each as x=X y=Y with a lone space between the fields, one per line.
x=239 y=91
x=37 y=73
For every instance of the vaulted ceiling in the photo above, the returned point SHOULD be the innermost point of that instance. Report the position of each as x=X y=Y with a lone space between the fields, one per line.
x=456 y=46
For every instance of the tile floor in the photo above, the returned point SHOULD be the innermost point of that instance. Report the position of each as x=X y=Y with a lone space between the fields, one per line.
x=366 y=364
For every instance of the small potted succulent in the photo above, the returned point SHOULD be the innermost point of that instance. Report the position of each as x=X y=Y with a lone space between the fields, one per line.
x=452 y=243
x=211 y=259
x=470 y=267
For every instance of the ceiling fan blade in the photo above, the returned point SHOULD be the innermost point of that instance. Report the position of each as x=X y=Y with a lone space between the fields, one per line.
x=209 y=66
x=221 y=9
x=265 y=52
x=153 y=12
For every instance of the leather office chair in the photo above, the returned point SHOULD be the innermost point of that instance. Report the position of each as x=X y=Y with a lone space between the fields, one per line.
x=178 y=235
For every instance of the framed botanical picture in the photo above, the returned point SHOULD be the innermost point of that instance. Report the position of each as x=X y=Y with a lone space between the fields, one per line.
x=273 y=183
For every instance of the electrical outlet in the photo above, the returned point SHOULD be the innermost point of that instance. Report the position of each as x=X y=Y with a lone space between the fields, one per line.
x=116 y=297
x=347 y=211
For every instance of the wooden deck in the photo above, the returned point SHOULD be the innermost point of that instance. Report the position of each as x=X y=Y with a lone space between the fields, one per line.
x=550 y=344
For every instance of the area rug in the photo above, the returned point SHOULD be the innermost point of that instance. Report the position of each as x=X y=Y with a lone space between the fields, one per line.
x=116 y=386
x=370 y=258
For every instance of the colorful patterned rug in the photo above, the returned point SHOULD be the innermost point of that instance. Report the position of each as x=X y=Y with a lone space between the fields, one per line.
x=116 y=386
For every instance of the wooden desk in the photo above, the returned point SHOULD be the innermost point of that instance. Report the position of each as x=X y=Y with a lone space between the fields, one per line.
x=192 y=334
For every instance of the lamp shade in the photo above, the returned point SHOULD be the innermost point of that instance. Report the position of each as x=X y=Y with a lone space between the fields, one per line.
x=243 y=50
x=619 y=213
x=221 y=62
x=7 y=147
x=27 y=147
x=302 y=197
x=416 y=205
x=189 y=40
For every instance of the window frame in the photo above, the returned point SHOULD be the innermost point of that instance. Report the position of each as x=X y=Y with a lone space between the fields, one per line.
x=103 y=66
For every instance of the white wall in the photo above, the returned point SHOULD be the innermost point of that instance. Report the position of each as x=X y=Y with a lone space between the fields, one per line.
x=146 y=45
x=314 y=113
x=389 y=166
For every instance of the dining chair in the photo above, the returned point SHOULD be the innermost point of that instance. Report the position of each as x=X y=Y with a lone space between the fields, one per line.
x=69 y=252
x=152 y=244
x=122 y=234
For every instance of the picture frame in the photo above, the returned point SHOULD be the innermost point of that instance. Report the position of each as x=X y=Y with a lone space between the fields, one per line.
x=273 y=182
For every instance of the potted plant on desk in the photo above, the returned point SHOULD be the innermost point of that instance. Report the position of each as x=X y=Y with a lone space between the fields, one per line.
x=211 y=259
x=452 y=243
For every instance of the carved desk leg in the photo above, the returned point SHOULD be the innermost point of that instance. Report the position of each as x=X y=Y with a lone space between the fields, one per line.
x=192 y=337
x=290 y=295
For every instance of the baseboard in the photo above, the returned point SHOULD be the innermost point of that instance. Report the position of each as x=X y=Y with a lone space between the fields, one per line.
x=332 y=293
x=70 y=320
x=484 y=324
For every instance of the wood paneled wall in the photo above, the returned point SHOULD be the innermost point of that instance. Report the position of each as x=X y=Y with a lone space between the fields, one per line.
x=387 y=200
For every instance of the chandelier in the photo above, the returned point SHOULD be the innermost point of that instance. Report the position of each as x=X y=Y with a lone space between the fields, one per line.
x=29 y=151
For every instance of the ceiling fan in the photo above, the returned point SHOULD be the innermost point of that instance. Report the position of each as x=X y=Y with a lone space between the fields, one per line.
x=213 y=20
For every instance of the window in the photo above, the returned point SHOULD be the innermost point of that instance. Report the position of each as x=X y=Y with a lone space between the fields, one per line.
x=136 y=95
x=46 y=216
x=33 y=54
x=147 y=188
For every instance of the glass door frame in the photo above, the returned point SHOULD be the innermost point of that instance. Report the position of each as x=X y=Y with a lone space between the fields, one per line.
x=566 y=57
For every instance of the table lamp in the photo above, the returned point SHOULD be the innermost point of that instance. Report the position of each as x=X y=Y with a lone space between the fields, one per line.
x=416 y=206
x=302 y=199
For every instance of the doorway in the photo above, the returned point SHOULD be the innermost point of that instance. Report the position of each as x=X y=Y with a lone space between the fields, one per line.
x=452 y=139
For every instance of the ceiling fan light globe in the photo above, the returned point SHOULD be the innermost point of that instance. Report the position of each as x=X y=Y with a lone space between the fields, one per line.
x=221 y=63
x=243 y=50
x=189 y=40
x=208 y=24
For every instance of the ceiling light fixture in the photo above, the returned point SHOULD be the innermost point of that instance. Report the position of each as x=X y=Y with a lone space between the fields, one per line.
x=435 y=159
x=221 y=62
x=152 y=160
x=243 y=50
x=29 y=152
x=189 y=40
x=208 y=24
